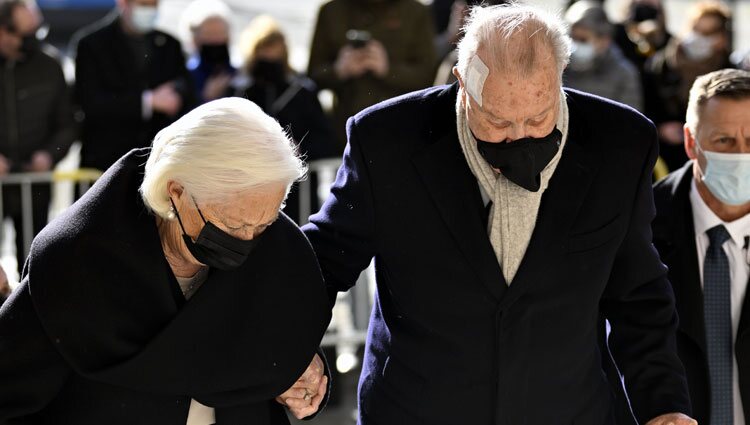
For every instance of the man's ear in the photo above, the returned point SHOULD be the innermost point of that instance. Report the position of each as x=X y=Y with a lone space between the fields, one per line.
x=458 y=76
x=689 y=143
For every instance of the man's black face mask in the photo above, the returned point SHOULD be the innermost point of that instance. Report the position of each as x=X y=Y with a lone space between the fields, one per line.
x=522 y=160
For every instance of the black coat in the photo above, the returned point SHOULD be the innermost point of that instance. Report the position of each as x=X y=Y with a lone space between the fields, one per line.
x=109 y=88
x=674 y=237
x=449 y=342
x=99 y=332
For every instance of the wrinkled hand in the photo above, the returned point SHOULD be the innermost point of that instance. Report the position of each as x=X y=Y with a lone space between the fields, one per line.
x=166 y=99
x=376 y=59
x=304 y=397
x=4 y=165
x=216 y=86
x=672 y=419
x=40 y=161
x=671 y=132
x=350 y=63
x=4 y=286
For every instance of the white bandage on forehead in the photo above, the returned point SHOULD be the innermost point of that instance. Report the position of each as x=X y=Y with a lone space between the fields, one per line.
x=476 y=74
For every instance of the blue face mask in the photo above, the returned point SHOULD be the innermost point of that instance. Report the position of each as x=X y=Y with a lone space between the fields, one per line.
x=727 y=176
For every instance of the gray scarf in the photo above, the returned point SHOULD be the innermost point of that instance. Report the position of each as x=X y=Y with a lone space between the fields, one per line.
x=514 y=209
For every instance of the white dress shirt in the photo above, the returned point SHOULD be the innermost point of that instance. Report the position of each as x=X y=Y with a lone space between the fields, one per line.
x=739 y=269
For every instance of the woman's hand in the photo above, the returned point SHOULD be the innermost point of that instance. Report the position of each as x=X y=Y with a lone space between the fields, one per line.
x=304 y=397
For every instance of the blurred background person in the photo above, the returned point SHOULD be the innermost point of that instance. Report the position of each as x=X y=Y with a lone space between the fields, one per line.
x=446 y=42
x=210 y=63
x=366 y=51
x=36 y=117
x=643 y=32
x=131 y=82
x=596 y=64
x=702 y=232
x=704 y=47
x=285 y=95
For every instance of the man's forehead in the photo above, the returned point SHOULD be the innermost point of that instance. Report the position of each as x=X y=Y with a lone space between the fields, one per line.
x=511 y=97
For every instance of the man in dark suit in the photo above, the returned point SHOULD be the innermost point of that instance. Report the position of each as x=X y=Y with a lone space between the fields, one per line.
x=494 y=259
x=131 y=82
x=702 y=230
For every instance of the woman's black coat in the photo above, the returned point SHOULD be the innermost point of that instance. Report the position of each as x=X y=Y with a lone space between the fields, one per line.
x=99 y=332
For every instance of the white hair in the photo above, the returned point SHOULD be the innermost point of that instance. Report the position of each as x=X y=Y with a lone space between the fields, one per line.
x=217 y=150
x=514 y=38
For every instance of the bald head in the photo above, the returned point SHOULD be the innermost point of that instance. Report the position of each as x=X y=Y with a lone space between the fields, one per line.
x=514 y=40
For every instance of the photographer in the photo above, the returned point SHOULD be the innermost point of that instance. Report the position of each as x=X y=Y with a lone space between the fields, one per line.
x=366 y=51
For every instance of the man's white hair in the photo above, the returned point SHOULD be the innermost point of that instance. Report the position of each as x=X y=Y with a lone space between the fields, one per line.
x=514 y=38
x=217 y=150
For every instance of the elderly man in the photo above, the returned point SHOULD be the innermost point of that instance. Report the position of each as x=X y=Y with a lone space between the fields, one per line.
x=504 y=215
x=702 y=230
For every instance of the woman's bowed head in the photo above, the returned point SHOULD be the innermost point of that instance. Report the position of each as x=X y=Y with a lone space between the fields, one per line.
x=216 y=179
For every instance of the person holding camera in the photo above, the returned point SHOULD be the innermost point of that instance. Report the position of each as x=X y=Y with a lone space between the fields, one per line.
x=367 y=51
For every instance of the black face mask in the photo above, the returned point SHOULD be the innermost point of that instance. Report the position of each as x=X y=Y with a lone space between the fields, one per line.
x=216 y=248
x=268 y=71
x=522 y=160
x=644 y=12
x=215 y=55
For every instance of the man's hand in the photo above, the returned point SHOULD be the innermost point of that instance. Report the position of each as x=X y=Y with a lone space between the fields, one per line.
x=350 y=63
x=40 y=161
x=305 y=396
x=377 y=59
x=672 y=419
x=166 y=99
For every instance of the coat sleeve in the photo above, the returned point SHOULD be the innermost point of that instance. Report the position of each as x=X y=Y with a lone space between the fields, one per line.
x=32 y=372
x=342 y=232
x=640 y=306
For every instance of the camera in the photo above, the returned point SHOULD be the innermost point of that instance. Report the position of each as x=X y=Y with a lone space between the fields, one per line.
x=357 y=38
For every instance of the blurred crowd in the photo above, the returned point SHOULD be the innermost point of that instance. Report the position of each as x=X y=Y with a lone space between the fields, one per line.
x=131 y=80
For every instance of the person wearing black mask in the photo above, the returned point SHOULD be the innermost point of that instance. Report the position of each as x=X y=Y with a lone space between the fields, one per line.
x=285 y=95
x=36 y=116
x=210 y=65
x=174 y=291
x=504 y=215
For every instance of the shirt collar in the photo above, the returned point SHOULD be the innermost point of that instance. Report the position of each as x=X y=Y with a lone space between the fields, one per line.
x=704 y=219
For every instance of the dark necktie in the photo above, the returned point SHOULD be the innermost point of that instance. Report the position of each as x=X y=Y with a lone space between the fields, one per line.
x=718 y=319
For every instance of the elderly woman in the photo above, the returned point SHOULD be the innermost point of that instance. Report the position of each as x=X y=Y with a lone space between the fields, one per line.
x=174 y=291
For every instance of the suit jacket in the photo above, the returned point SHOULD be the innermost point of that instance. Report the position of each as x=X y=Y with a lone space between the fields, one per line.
x=109 y=88
x=449 y=342
x=674 y=237
x=99 y=332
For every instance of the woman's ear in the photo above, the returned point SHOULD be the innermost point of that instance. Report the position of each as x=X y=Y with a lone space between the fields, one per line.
x=175 y=190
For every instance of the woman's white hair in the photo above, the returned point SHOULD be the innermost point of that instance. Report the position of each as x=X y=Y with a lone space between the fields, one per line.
x=219 y=149
x=514 y=38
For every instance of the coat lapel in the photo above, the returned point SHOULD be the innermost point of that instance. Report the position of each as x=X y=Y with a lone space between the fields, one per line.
x=455 y=193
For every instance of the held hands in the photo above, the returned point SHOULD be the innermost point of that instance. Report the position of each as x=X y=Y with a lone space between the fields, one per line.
x=304 y=397
x=216 y=86
x=40 y=161
x=4 y=165
x=672 y=419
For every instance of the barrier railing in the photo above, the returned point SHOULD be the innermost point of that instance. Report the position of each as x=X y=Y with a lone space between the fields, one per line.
x=84 y=177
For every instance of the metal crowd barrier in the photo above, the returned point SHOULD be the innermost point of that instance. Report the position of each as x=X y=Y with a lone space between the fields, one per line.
x=84 y=177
